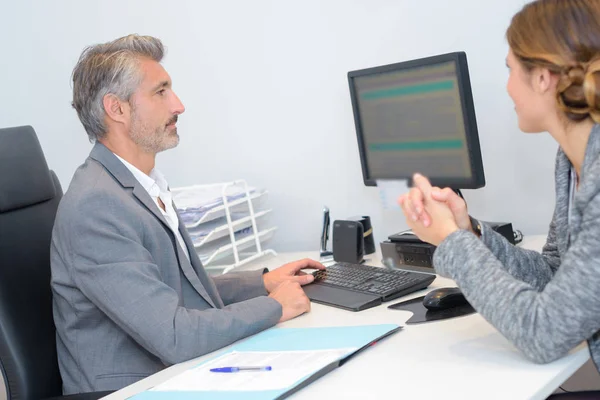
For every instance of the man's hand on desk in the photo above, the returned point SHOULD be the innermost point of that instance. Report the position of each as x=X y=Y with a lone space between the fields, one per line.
x=291 y=272
x=284 y=285
x=292 y=298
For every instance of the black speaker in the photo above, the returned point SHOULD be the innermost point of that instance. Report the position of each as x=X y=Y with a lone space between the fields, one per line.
x=348 y=241
x=369 y=240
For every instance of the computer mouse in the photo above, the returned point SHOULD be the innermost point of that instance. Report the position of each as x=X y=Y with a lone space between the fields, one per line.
x=444 y=298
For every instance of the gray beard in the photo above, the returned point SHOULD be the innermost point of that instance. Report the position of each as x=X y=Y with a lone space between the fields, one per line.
x=154 y=142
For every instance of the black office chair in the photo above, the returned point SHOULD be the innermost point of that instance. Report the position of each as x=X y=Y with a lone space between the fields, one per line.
x=589 y=395
x=29 y=197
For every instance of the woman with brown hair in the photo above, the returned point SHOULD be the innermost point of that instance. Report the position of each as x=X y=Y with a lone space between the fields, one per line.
x=548 y=303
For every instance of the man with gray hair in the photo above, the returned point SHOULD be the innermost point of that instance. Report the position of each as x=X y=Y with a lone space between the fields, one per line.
x=130 y=294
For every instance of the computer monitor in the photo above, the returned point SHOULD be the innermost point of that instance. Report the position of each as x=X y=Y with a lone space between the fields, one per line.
x=418 y=116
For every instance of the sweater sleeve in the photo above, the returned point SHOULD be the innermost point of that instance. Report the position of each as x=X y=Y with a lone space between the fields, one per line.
x=525 y=265
x=543 y=321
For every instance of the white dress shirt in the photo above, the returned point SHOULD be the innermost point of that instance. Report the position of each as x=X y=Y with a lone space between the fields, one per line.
x=157 y=187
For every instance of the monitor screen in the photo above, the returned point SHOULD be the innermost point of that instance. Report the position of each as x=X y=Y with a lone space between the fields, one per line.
x=418 y=116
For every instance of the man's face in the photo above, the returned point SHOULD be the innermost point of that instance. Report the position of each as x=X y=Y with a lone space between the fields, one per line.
x=154 y=110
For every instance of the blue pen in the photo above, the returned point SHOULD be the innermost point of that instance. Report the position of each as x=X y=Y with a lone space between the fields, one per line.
x=237 y=369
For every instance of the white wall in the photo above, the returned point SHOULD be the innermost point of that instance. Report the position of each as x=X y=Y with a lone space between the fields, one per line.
x=265 y=87
x=264 y=83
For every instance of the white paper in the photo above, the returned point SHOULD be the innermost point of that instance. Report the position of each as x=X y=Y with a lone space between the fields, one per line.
x=288 y=367
x=390 y=191
x=206 y=197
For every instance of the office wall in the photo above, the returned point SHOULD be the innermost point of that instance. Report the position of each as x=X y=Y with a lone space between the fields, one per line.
x=264 y=83
x=265 y=87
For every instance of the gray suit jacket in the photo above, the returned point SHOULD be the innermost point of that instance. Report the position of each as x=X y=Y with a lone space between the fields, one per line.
x=548 y=303
x=127 y=302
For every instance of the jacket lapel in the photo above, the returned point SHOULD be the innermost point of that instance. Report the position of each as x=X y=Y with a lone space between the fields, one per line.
x=196 y=268
x=142 y=195
x=199 y=282
x=116 y=168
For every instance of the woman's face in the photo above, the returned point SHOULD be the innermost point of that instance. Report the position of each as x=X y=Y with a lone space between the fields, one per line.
x=528 y=91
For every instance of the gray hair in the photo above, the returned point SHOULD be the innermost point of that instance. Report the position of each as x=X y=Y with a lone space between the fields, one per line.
x=111 y=67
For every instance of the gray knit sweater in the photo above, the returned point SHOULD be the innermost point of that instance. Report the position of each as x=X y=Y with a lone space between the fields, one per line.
x=548 y=303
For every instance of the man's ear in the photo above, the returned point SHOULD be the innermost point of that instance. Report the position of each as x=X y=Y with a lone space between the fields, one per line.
x=116 y=109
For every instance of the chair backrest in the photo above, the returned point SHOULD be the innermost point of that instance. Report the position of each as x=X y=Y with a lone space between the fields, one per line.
x=29 y=197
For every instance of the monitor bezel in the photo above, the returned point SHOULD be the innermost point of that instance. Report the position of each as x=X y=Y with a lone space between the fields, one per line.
x=477 y=179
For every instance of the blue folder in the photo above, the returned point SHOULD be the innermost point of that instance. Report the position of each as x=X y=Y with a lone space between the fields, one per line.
x=289 y=339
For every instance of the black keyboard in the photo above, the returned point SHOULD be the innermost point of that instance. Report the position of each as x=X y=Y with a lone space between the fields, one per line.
x=389 y=284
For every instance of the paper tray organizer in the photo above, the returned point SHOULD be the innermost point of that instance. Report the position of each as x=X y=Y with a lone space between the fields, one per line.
x=226 y=222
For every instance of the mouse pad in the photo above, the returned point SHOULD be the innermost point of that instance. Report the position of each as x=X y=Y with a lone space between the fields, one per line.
x=422 y=314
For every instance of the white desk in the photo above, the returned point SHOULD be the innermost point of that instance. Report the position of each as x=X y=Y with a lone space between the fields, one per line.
x=461 y=358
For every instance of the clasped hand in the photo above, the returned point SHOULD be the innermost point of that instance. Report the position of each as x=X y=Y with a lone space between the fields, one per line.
x=433 y=213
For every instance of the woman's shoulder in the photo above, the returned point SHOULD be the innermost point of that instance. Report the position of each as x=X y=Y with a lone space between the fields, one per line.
x=588 y=191
x=589 y=184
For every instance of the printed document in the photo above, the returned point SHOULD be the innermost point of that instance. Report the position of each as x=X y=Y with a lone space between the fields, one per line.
x=288 y=367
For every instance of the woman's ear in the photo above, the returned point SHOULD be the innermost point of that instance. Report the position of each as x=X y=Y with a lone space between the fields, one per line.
x=543 y=80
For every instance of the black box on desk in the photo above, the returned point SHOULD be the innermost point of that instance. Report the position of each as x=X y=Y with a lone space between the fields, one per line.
x=503 y=228
x=409 y=252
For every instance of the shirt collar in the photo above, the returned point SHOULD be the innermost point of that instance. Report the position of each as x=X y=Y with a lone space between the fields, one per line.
x=160 y=180
x=154 y=184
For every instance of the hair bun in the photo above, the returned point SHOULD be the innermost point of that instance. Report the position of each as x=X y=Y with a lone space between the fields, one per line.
x=591 y=88
x=578 y=91
x=576 y=75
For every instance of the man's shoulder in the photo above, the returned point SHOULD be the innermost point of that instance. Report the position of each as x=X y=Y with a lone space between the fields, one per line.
x=92 y=185
x=90 y=177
